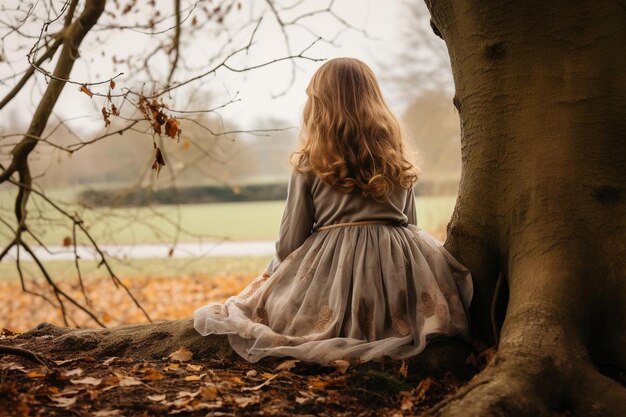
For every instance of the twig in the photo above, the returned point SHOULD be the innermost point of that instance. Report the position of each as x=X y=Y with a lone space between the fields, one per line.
x=25 y=353
x=176 y=41
x=103 y=258
x=77 y=265
x=58 y=292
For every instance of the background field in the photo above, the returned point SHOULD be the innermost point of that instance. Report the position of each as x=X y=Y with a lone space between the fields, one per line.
x=167 y=287
x=209 y=222
x=158 y=224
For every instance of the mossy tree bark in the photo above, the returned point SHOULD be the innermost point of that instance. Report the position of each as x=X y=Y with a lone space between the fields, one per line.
x=541 y=94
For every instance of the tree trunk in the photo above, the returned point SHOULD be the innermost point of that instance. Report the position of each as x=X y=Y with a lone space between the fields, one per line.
x=541 y=94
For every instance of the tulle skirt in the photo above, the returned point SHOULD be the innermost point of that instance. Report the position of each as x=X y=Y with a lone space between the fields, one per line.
x=353 y=292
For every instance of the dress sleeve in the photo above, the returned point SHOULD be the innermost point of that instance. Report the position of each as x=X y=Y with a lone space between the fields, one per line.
x=297 y=222
x=409 y=207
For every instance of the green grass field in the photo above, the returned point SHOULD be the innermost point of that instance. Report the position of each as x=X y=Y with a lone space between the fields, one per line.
x=164 y=224
x=167 y=224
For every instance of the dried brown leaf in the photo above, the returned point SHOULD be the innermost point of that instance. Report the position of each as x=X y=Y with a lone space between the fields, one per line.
x=107 y=413
x=73 y=372
x=209 y=393
x=287 y=365
x=422 y=389
x=404 y=370
x=194 y=394
x=157 y=398
x=172 y=127
x=127 y=381
x=158 y=161
x=341 y=366
x=407 y=403
x=86 y=90
x=194 y=377
x=63 y=402
x=243 y=402
x=105 y=117
x=154 y=375
x=181 y=355
x=87 y=381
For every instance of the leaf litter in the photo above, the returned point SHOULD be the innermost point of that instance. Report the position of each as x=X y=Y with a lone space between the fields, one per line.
x=182 y=385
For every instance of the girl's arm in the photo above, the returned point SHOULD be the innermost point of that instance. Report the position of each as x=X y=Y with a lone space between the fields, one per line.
x=297 y=222
x=409 y=207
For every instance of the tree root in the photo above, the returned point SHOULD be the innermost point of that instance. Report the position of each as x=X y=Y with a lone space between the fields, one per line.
x=497 y=393
x=144 y=341
x=530 y=381
x=597 y=395
x=25 y=353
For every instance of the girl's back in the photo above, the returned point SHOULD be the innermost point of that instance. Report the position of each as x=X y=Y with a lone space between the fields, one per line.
x=353 y=276
x=333 y=206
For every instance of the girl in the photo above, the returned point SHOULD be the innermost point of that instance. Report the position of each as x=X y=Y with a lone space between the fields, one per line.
x=353 y=277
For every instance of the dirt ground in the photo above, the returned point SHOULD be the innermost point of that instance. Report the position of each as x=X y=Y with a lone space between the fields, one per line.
x=126 y=386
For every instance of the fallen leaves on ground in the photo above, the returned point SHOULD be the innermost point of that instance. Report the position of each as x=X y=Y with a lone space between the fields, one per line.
x=182 y=384
x=165 y=298
x=112 y=386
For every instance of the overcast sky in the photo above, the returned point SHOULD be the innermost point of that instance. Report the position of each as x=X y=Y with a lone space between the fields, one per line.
x=381 y=20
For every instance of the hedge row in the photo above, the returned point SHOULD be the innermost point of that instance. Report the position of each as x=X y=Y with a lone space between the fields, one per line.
x=215 y=194
x=182 y=195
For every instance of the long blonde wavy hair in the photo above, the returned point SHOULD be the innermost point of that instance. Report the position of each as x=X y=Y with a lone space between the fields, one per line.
x=349 y=137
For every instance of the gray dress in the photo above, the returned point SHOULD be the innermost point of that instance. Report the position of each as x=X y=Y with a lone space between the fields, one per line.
x=351 y=292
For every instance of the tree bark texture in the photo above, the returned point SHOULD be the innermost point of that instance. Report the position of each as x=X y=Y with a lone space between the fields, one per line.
x=158 y=340
x=144 y=341
x=541 y=95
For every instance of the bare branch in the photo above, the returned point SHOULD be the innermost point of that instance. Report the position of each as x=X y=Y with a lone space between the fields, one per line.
x=175 y=42
x=72 y=39
x=29 y=72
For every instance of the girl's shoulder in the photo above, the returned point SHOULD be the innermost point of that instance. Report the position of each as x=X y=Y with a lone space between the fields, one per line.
x=303 y=171
x=303 y=176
